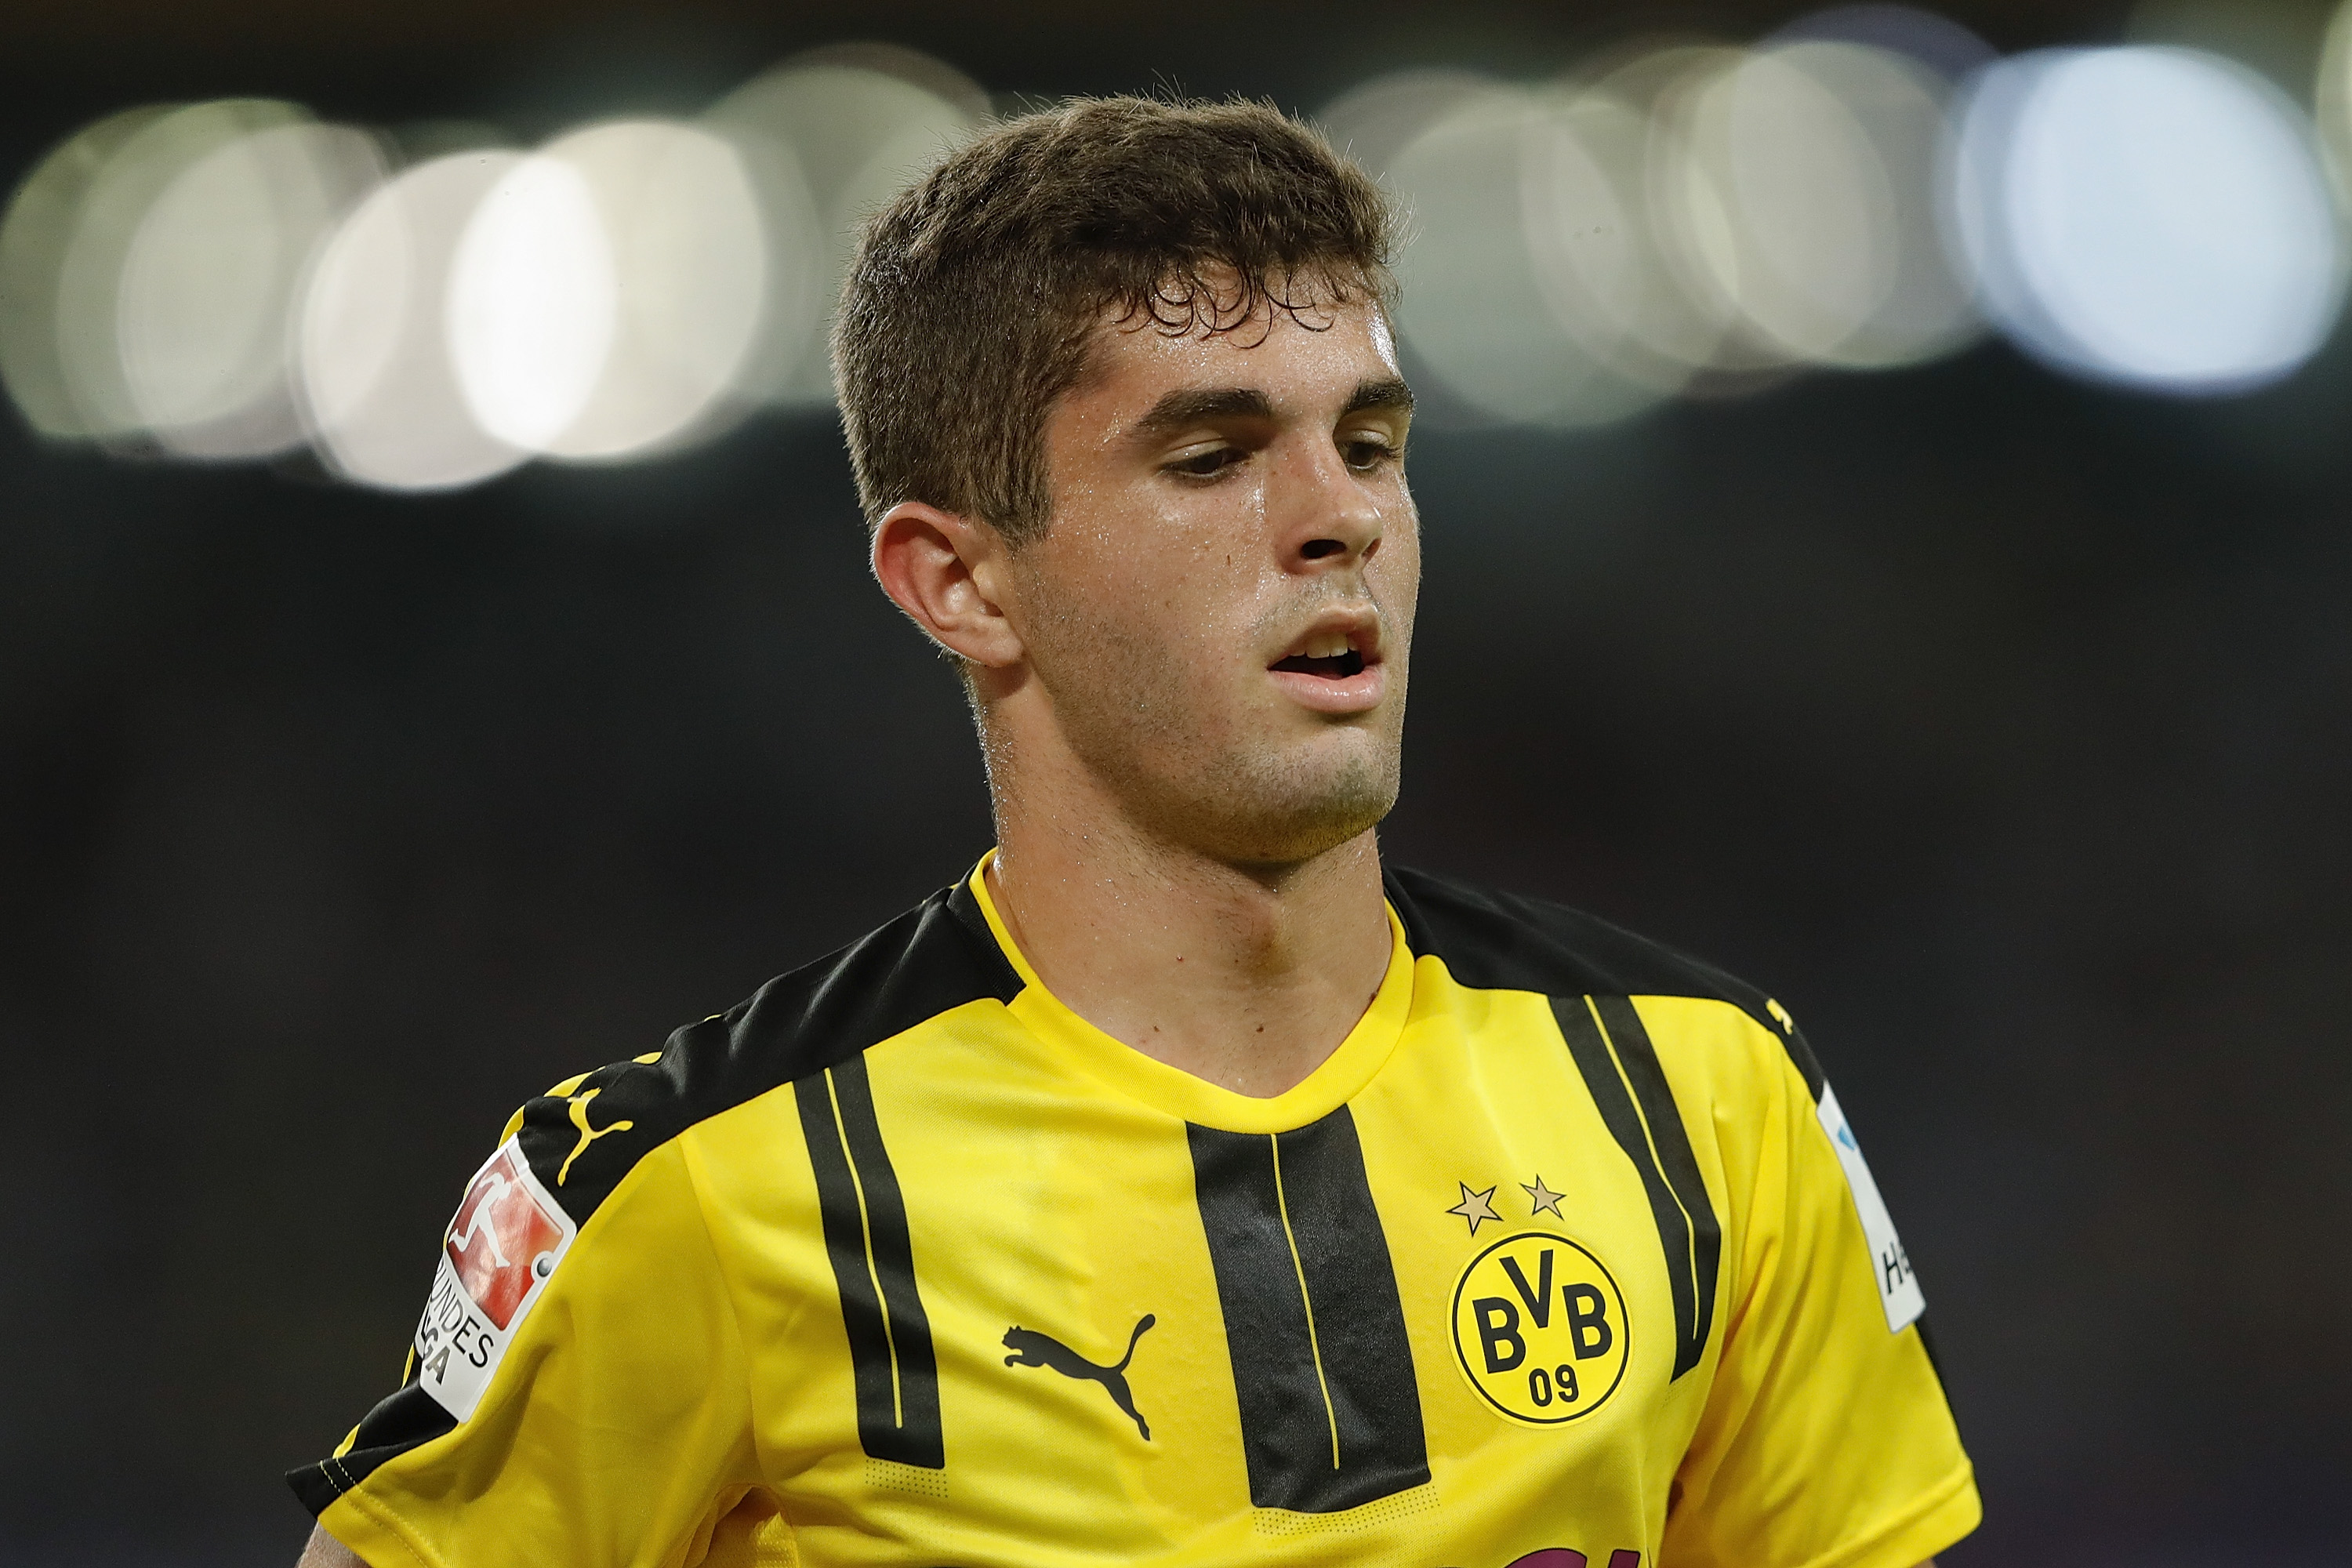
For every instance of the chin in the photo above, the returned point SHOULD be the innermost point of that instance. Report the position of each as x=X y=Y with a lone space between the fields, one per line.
x=1263 y=797
x=1254 y=818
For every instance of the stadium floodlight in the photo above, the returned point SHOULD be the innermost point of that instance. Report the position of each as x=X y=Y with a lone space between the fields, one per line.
x=1477 y=311
x=682 y=228
x=1690 y=218
x=1826 y=154
x=2332 y=100
x=1373 y=121
x=828 y=137
x=74 y=239
x=2148 y=216
x=204 y=308
x=534 y=297
x=380 y=388
x=34 y=235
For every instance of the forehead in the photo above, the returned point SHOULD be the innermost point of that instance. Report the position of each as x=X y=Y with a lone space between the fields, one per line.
x=1319 y=353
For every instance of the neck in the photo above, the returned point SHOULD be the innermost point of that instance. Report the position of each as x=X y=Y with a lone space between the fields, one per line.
x=1245 y=976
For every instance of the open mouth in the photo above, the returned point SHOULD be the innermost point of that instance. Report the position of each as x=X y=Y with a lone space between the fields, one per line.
x=1329 y=655
x=1333 y=667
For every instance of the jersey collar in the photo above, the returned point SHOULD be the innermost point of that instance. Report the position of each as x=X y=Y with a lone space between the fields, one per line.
x=1082 y=1045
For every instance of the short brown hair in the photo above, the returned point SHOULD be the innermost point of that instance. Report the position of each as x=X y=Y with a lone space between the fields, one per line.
x=975 y=295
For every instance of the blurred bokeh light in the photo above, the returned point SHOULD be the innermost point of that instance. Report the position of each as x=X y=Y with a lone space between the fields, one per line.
x=533 y=301
x=2151 y=215
x=1866 y=189
x=378 y=372
x=1825 y=155
x=205 y=303
x=832 y=135
x=679 y=224
x=1885 y=526
x=227 y=279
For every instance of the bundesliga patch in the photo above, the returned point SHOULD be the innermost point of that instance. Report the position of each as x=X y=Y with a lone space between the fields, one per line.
x=1898 y=1288
x=505 y=1241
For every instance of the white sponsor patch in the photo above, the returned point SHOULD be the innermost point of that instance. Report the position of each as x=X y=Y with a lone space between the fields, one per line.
x=1898 y=1288
x=507 y=1239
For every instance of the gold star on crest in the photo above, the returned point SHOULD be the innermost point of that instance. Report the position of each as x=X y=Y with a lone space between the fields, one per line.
x=1473 y=1207
x=1543 y=1197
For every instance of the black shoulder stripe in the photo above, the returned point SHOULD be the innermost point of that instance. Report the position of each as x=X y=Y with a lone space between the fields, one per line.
x=937 y=956
x=1619 y=1068
x=864 y=1222
x=1501 y=942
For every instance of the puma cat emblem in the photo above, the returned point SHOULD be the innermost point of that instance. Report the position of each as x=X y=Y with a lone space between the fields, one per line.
x=1031 y=1348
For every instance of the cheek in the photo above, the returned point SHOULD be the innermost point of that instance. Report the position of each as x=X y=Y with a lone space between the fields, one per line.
x=1181 y=588
x=1394 y=571
x=1201 y=586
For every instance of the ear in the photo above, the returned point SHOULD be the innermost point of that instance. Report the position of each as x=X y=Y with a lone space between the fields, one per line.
x=947 y=572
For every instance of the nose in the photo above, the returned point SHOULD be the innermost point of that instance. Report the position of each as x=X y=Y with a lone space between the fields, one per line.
x=1328 y=520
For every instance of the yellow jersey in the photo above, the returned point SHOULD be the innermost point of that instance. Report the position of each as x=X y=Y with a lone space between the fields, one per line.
x=1564 y=1257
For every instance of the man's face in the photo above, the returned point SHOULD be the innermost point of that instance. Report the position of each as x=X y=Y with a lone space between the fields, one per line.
x=1221 y=608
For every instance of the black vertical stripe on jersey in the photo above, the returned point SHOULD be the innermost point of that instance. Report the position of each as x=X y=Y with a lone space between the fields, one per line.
x=893 y=1263
x=1648 y=1127
x=1358 y=1319
x=904 y=1428
x=1671 y=1139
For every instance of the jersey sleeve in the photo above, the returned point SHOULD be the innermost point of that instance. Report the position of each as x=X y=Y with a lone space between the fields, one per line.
x=576 y=1389
x=1826 y=1440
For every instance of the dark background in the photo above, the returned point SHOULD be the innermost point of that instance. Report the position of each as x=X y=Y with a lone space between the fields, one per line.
x=2000 y=725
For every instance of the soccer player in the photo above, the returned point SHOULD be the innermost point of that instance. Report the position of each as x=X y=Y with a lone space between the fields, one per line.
x=1177 y=1186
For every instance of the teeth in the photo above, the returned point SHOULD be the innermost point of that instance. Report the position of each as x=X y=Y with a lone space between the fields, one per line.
x=1329 y=645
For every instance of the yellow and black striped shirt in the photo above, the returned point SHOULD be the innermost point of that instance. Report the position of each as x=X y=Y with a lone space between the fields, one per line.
x=1565 y=1256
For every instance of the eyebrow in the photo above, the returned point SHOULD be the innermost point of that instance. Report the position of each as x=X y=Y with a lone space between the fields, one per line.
x=1390 y=392
x=1193 y=405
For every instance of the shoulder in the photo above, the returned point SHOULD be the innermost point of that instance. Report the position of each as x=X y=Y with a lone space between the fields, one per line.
x=586 y=1133
x=1504 y=942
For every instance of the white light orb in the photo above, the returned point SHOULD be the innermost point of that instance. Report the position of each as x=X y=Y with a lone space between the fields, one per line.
x=1808 y=251
x=1828 y=156
x=2151 y=217
x=96 y=262
x=829 y=137
x=379 y=383
x=1373 y=120
x=1691 y=327
x=1500 y=197
x=2332 y=100
x=534 y=302
x=683 y=229
x=204 y=309
x=40 y=226
x=1596 y=261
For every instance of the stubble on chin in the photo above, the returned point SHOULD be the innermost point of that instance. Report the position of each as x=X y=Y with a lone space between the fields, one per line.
x=1298 y=807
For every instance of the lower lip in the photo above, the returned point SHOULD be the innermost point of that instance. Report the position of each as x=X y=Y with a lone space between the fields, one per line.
x=1356 y=693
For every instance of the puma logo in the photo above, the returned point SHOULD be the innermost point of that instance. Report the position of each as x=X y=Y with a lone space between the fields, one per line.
x=579 y=1106
x=1031 y=1348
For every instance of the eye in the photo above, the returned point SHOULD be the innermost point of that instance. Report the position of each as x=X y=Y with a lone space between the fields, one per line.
x=1364 y=453
x=1207 y=463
